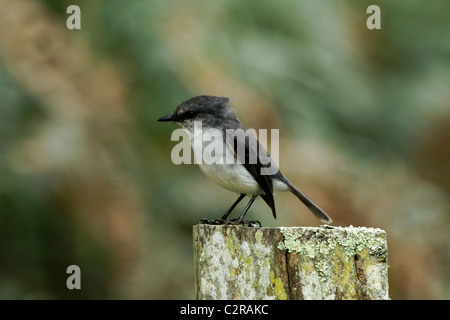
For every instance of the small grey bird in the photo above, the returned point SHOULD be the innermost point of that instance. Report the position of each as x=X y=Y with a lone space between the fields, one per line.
x=236 y=172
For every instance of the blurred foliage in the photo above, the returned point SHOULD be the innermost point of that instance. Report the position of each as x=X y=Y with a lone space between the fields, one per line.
x=85 y=170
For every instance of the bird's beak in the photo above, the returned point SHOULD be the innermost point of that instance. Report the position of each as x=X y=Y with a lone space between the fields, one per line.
x=167 y=118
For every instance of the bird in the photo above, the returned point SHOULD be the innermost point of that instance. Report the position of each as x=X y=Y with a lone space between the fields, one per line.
x=235 y=147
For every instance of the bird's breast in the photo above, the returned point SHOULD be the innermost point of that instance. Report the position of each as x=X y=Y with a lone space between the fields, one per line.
x=220 y=164
x=233 y=177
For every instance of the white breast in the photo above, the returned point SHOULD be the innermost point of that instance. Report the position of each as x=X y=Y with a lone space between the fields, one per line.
x=219 y=164
x=233 y=177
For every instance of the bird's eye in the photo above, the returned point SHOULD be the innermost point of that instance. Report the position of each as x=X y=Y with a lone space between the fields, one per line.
x=190 y=114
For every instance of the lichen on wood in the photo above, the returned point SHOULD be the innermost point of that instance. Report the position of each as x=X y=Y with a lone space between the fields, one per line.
x=236 y=262
x=336 y=263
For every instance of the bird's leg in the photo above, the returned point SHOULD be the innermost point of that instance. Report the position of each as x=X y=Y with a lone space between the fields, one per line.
x=224 y=220
x=225 y=216
x=241 y=220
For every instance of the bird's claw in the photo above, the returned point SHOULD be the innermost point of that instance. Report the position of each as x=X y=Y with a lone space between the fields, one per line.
x=249 y=223
x=232 y=222
x=213 y=222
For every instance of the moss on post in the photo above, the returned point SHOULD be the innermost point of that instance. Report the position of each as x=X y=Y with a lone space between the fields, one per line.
x=235 y=262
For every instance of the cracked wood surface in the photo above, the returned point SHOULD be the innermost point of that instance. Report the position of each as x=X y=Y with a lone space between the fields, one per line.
x=236 y=262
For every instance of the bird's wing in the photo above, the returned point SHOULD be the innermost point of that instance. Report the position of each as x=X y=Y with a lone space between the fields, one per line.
x=245 y=148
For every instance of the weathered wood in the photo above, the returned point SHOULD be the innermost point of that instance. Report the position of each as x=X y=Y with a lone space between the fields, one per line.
x=236 y=262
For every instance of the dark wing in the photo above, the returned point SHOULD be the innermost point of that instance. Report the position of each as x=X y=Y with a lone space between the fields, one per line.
x=253 y=161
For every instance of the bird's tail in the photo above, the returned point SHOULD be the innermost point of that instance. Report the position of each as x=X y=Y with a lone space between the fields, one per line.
x=314 y=208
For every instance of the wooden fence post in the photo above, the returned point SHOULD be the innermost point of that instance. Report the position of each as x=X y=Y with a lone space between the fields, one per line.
x=236 y=262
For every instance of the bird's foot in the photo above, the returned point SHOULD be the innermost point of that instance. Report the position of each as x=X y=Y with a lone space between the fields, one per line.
x=214 y=222
x=249 y=223
x=232 y=222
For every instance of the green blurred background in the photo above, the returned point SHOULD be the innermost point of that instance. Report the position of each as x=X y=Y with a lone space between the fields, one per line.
x=85 y=170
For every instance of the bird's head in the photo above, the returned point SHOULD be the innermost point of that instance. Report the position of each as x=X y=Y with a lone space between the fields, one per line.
x=210 y=110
